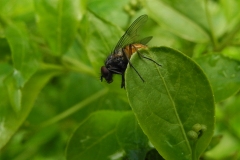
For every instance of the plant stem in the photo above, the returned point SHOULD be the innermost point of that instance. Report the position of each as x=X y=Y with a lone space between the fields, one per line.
x=212 y=34
x=227 y=40
x=75 y=108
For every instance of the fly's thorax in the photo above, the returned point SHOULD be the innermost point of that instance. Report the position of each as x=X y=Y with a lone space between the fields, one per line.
x=118 y=53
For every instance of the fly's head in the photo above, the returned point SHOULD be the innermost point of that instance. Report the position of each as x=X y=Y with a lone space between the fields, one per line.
x=106 y=74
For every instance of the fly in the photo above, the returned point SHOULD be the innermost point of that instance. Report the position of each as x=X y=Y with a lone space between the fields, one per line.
x=117 y=61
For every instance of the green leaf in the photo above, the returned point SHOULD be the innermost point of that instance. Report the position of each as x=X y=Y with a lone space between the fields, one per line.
x=9 y=120
x=24 y=57
x=5 y=49
x=25 y=61
x=172 y=100
x=112 y=14
x=95 y=137
x=216 y=139
x=58 y=22
x=153 y=155
x=131 y=137
x=180 y=17
x=108 y=134
x=21 y=10
x=223 y=74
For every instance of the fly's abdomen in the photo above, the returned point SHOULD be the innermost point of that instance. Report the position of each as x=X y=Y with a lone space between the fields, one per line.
x=131 y=49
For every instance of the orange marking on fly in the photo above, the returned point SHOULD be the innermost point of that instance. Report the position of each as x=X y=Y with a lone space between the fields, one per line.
x=131 y=49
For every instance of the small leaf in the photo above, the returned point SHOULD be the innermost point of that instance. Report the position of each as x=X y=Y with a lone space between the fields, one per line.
x=95 y=138
x=173 y=98
x=14 y=93
x=58 y=22
x=180 y=18
x=24 y=57
x=223 y=74
x=25 y=61
x=9 y=120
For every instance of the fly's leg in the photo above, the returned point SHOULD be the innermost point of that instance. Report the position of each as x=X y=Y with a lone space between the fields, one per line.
x=142 y=56
x=131 y=63
x=123 y=81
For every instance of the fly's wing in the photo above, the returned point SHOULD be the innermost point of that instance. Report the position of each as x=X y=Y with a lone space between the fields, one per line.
x=131 y=34
x=144 y=40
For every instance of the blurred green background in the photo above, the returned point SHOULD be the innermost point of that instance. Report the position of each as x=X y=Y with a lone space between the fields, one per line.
x=51 y=53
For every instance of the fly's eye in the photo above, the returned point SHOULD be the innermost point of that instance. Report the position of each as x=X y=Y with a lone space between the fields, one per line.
x=104 y=71
x=106 y=74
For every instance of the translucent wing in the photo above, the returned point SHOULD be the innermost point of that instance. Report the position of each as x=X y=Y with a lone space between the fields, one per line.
x=130 y=35
x=144 y=40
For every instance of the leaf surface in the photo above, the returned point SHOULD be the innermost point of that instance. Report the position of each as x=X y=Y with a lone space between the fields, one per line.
x=109 y=135
x=58 y=23
x=172 y=99
x=9 y=119
x=223 y=74
x=95 y=137
x=180 y=17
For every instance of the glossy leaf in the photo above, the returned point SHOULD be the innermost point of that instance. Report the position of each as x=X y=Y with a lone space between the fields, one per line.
x=179 y=16
x=10 y=121
x=223 y=74
x=108 y=134
x=58 y=22
x=95 y=137
x=172 y=99
x=131 y=137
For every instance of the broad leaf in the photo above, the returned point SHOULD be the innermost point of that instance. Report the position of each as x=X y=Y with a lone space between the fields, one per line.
x=223 y=74
x=58 y=22
x=131 y=138
x=180 y=18
x=108 y=135
x=95 y=137
x=173 y=98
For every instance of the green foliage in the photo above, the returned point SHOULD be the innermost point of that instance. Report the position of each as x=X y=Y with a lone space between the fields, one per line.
x=223 y=74
x=119 y=132
x=174 y=98
x=54 y=106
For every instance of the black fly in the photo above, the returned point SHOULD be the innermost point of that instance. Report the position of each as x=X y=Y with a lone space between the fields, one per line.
x=116 y=62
